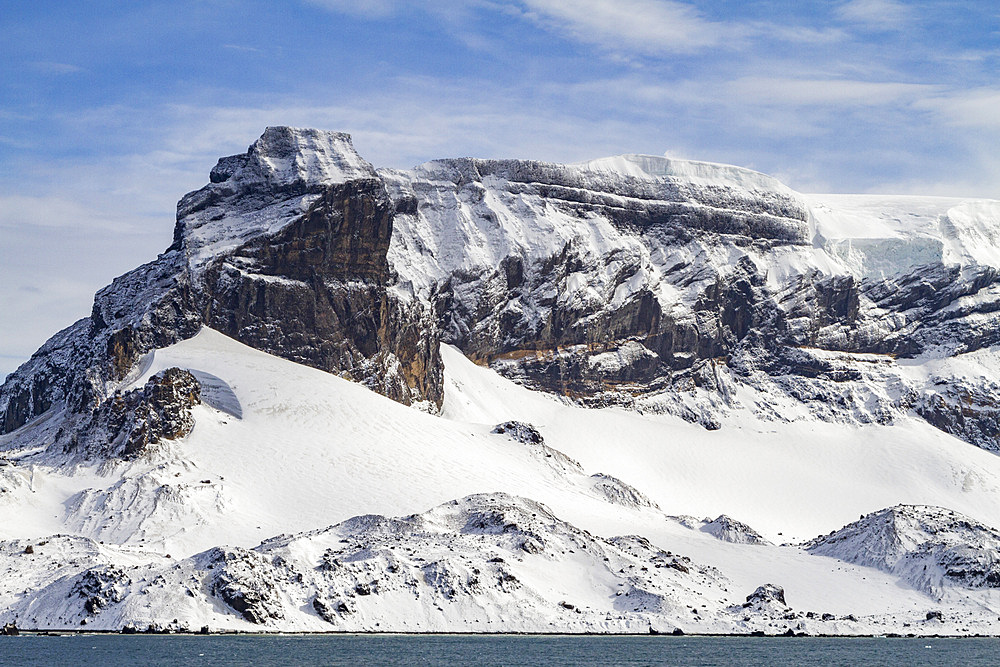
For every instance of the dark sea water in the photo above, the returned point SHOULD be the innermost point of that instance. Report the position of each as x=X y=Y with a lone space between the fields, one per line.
x=108 y=650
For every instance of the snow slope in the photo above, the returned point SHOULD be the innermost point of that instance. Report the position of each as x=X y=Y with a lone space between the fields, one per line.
x=313 y=450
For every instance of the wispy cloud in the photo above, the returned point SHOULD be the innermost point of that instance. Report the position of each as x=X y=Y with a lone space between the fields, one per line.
x=876 y=14
x=795 y=34
x=48 y=67
x=650 y=26
x=241 y=47
x=972 y=108
x=826 y=92
x=362 y=8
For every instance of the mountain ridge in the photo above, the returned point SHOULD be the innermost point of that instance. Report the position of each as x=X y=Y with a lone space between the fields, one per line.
x=686 y=339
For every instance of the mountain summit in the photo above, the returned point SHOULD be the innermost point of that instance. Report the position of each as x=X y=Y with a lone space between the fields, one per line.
x=580 y=359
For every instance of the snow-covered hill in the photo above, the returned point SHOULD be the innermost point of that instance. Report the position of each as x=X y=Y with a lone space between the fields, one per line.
x=575 y=368
x=929 y=547
x=288 y=449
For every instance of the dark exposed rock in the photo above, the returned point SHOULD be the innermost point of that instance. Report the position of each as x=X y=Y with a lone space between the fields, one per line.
x=316 y=293
x=331 y=611
x=244 y=580
x=100 y=588
x=966 y=408
x=129 y=422
x=766 y=595
x=520 y=431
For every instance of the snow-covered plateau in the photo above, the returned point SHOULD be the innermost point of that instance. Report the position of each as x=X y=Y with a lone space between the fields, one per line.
x=631 y=395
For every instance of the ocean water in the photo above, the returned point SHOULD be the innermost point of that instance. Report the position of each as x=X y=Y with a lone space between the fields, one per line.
x=109 y=650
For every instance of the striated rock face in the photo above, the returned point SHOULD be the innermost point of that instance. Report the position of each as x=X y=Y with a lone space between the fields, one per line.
x=696 y=289
x=284 y=250
x=667 y=286
x=316 y=293
x=288 y=244
x=966 y=408
x=580 y=279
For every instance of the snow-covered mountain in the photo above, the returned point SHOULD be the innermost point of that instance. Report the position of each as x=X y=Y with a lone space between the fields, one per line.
x=574 y=362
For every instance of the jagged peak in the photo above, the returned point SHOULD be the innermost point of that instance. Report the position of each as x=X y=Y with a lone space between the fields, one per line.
x=265 y=188
x=283 y=156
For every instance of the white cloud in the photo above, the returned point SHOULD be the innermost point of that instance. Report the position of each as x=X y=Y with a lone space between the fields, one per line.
x=365 y=8
x=49 y=67
x=645 y=26
x=878 y=14
x=797 y=34
x=241 y=48
x=974 y=108
x=828 y=92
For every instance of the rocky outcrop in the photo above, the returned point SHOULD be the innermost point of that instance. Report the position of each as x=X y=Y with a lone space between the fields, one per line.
x=930 y=548
x=728 y=529
x=969 y=409
x=766 y=595
x=100 y=588
x=245 y=581
x=129 y=422
x=520 y=431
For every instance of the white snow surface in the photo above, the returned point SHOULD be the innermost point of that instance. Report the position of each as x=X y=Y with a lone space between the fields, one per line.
x=706 y=174
x=312 y=450
x=879 y=235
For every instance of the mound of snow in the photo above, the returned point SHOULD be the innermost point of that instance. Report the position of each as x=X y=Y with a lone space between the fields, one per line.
x=620 y=493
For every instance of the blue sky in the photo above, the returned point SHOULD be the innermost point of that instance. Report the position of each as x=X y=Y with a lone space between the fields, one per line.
x=110 y=111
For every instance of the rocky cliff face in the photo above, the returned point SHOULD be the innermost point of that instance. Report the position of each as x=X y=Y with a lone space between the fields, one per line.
x=668 y=285
x=284 y=250
x=657 y=284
